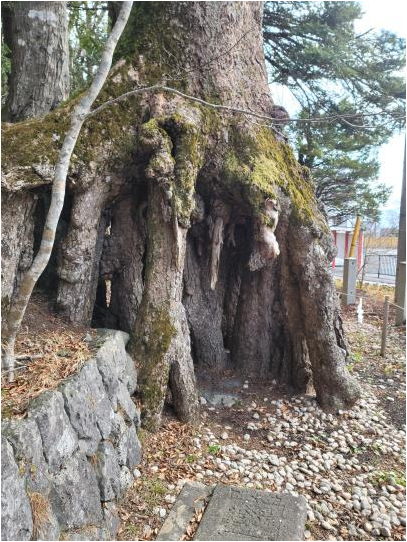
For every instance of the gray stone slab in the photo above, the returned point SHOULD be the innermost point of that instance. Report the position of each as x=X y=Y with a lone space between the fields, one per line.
x=108 y=471
x=192 y=496
x=218 y=399
x=111 y=519
x=130 y=374
x=88 y=407
x=245 y=514
x=59 y=440
x=129 y=448
x=25 y=439
x=16 y=518
x=75 y=496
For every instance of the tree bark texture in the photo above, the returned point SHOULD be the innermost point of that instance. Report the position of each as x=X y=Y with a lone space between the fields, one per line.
x=123 y=260
x=81 y=249
x=17 y=225
x=215 y=250
x=37 y=36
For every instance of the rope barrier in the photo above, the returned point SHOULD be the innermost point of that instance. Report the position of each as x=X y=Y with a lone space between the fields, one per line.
x=398 y=306
x=361 y=297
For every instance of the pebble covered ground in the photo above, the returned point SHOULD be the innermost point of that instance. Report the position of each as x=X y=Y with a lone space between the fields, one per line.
x=350 y=467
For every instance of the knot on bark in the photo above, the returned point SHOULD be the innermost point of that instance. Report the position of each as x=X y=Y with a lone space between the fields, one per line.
x=266 y=247
x=156 y=144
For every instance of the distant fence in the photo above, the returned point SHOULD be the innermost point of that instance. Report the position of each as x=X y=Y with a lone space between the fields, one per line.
x=382 y=265
x=387 y=265
x=389 y=241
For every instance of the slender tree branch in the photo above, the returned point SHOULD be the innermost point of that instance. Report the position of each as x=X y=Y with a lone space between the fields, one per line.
x=163 y=88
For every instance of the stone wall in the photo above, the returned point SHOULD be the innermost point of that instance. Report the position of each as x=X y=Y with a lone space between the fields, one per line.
x=65 y=465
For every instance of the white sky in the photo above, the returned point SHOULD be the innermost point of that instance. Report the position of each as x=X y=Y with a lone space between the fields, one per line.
x=390 y=15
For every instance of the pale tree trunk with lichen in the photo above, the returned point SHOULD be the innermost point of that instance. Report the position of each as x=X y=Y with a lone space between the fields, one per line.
x=230 y=266
x=37 y=35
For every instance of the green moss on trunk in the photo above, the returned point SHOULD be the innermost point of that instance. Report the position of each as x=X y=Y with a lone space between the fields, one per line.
x=149 y=349
x=257 y=166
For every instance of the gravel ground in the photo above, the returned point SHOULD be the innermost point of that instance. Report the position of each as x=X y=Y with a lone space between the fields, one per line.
x=350 y=466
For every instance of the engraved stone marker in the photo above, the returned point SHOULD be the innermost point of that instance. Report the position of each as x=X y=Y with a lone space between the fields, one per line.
x=245 y=514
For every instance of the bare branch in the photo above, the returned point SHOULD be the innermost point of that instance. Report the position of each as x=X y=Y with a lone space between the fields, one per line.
x=163 y=88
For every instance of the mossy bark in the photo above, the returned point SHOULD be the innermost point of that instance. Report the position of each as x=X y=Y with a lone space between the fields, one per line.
x=160 y=338
x=17 y=242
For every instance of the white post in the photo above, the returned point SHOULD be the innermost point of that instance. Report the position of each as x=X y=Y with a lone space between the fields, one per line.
x=400 y=290
x=350 y=273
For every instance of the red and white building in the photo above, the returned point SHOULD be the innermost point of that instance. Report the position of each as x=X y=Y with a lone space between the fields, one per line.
x=342 y=235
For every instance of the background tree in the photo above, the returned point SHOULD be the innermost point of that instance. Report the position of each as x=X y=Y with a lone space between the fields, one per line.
x=25 y=26
x=344 y=166
x=35 y=80
x=88 y=29
x=312 y=48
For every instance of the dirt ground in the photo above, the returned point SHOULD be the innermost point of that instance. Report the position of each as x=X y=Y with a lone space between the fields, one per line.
x=180 y=452
x=48 y=350
x=183 y=452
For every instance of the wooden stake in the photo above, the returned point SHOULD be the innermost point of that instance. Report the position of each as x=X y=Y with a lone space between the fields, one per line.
x=384 y=328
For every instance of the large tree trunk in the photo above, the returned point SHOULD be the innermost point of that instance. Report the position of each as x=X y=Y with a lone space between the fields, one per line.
x=197 y=241
x=81 y=249
x=37 y=36
x=160 y=342
x=122 y=264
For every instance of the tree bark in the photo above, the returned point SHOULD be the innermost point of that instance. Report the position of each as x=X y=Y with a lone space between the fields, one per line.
x=213 y=183
x=17 y=240
x=123 y=261
x=311 y=252
x=37 y=36
x=204 y=306
x=38 y=82
x=160 y=339
x=81 y=249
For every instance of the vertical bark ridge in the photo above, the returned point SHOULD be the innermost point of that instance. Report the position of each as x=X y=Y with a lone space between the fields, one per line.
x=310 y=253
x=160 y=340
x=38 y=39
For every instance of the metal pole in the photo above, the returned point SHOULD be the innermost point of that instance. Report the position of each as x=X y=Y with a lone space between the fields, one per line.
x=355 y=237
x=401 y=297
x=384 y=328
x=400 y=290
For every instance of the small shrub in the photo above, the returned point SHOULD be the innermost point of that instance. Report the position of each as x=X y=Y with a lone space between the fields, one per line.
x=214 y=449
